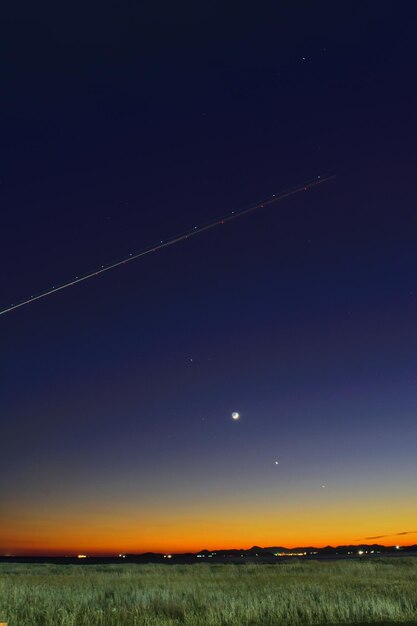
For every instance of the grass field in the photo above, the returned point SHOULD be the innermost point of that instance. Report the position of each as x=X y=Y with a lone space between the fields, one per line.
x=336 y=592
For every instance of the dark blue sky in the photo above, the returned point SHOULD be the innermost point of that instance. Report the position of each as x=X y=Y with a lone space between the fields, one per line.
x=122 y=126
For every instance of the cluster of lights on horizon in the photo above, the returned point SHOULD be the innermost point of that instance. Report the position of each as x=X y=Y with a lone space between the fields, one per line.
x=288 y=553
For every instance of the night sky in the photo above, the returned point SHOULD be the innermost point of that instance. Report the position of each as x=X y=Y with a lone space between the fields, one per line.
x=125 y=123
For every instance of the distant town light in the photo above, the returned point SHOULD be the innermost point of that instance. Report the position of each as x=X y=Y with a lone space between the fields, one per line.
x=81 y=556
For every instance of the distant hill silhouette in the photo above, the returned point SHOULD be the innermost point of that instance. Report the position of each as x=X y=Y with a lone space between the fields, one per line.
x=269 y=554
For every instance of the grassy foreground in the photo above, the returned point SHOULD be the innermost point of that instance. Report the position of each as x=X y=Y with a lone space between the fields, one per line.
x=349 y=592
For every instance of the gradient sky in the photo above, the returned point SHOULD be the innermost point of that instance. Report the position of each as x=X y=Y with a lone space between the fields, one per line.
x=122 y=126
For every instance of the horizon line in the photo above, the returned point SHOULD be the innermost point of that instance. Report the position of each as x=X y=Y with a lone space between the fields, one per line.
x=117 y=554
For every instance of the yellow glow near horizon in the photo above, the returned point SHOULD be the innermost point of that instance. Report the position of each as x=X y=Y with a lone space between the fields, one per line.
x=112 y=532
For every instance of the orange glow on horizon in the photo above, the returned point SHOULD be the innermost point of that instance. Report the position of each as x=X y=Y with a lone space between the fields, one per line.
x=185 y=548
x=103 y=529
x=191 y=536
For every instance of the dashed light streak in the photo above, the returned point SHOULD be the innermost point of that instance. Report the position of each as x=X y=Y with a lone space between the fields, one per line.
x=170 y=242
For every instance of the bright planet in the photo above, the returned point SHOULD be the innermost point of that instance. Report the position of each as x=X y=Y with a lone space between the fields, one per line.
x=235 y=415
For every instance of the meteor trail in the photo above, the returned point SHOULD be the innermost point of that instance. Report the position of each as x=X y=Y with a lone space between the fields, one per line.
x=176 y=239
